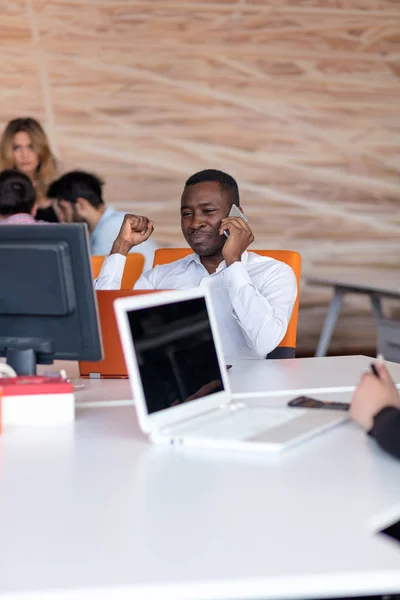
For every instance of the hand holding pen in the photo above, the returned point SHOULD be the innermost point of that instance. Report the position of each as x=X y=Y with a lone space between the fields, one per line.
x=375 y=391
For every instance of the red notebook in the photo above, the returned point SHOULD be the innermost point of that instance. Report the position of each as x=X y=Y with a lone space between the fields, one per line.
x=34 y=384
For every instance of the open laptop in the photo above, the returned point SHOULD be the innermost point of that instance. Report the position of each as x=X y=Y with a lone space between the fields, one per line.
x=180 y=382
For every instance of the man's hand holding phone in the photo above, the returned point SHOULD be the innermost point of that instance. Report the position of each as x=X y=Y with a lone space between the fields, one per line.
x=239 y=235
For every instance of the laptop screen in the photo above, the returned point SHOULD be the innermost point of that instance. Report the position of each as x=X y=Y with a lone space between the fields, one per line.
x=175 y=352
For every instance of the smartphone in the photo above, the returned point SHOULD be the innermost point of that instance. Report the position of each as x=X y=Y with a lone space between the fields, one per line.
x=236 y=212
x=307 y=402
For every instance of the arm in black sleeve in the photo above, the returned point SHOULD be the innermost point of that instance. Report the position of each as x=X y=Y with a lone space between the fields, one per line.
x=386 y=430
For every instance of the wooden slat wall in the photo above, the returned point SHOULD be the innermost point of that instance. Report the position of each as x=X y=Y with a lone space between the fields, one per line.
x=299 y=100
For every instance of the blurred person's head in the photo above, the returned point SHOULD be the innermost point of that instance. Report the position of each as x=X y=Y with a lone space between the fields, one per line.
x=79 y=197
x=24 y=146
x=17 y=194
x=206 y=200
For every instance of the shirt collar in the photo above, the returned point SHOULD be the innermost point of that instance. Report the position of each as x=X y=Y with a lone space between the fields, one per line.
x=106 y=214
x=222 y=265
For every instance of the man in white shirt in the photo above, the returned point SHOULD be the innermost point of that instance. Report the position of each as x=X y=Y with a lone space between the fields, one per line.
x=79 y=196
x=253 y=296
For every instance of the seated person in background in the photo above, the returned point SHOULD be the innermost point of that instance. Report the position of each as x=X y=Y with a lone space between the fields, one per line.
x=17 y=199
x=376 y=407
x=79 y=196
x=24 y=147
x=253 y=296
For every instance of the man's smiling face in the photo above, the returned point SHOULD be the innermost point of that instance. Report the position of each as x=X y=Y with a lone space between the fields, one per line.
x=203 y=205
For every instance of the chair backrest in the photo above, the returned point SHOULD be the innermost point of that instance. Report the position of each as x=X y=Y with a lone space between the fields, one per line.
x=113 y=363
x=287 y=347
x=133 y=269
x=97 y=262
x=163 y=256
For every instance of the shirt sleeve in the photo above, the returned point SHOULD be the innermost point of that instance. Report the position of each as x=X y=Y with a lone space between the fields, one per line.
x=386 y=430
x=147 y=249
x=111 y=272
x=263 y=311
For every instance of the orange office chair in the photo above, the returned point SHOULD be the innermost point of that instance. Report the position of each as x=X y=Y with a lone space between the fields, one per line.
x=287 y=347
x=163 y=256
x=113 y=363
x=133 y=269
x=97 y=262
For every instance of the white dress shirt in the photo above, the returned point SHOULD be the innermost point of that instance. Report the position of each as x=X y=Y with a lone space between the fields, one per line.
x=107 y=229
x=253 y=299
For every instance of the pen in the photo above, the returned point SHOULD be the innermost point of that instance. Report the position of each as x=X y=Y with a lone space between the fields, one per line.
x=374 y=370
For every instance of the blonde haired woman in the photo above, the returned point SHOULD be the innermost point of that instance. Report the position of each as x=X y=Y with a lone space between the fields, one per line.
x=24 y=146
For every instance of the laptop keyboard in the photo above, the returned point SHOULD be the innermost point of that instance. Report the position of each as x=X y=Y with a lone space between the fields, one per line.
x=242 y=424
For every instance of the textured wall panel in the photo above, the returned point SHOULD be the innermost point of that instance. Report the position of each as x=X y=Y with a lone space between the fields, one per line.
x=299 y=100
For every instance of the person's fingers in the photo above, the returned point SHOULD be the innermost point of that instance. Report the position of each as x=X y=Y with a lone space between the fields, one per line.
x=144 y=225
x=245 y=225
x=239 y=225
x=129 y=223
x=139 y=224
x=148 y=230
x=132 y=223
x=227 y=226
x=236 y=221
x=129 y=218
x=365 y=377
x=231 y=221
x=382 y=371
x=231 y=225
x=146 y=233
x=126 y=226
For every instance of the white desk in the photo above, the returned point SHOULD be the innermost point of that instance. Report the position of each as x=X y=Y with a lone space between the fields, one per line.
x=250 y=378
x=301 y=375
x=95 y=511
x=100 y=513
x=371 y=282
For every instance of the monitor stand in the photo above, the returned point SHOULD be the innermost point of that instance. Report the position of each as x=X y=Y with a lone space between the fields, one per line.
x=23 y=354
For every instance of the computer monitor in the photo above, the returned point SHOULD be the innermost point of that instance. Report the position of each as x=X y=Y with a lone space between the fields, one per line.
x=48 y=306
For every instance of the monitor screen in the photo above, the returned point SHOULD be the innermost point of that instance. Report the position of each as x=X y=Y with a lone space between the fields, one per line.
x=48 y=307
x=175 y=352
